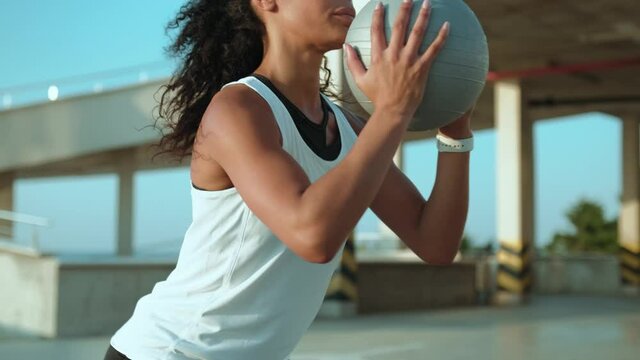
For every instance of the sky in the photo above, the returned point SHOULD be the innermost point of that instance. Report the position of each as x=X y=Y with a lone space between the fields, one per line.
x=47 y=42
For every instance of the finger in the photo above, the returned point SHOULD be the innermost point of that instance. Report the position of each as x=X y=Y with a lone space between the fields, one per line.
x=378 y=38
x=354 y=63
x=419 y=28
x=400 y=24
x=436 y=46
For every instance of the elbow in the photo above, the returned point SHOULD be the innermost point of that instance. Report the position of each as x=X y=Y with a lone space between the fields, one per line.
x=318 y=256
x=321 y=259
x=440 y=251
x=438 y=258
x=439 y=261
x=311 y=235
x=316 y=250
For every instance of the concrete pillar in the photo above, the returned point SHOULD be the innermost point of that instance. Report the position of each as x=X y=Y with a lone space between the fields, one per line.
x=7 y=181
x=126 y=170
x=385 y=232
x=629 y=221
x=514 y=181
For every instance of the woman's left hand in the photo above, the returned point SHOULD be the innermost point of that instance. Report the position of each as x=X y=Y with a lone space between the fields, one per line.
x=459 y=128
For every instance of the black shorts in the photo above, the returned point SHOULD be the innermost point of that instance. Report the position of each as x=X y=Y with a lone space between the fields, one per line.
x=113 y=354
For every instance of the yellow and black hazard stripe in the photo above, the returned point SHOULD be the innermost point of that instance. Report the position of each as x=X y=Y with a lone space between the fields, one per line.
x=630 y=264
x=343 y=285
x=514 y=268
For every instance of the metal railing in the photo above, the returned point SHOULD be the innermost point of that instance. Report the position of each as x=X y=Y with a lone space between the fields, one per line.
x=20 y=95
x=34 y=222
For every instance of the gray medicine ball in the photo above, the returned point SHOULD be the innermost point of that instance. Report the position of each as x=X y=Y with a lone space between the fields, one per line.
x=456 y=77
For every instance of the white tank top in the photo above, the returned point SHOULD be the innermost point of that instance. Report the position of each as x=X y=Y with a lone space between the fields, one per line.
x=237 y=292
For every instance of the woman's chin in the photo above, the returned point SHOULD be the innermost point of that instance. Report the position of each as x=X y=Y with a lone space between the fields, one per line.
x=336 y=43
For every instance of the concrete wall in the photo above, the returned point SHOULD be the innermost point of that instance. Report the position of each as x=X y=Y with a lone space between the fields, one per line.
x=569 y=274
x=576 y=274
x=403 y=286
x=28 y=293
x=96 y=299
x=49 y=297
x=88 y=296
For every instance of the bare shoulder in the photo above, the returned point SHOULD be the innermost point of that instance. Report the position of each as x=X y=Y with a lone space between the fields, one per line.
x=237 y=115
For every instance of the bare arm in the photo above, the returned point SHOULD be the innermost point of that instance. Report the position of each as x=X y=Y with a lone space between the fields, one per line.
x=313 y=220
x=431 y=229
x=444 y=216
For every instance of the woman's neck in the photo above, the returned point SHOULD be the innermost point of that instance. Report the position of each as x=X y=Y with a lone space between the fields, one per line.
x=296 y=74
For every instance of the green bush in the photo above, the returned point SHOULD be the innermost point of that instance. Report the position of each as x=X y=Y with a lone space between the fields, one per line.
x=467 y=246
x=592 y=232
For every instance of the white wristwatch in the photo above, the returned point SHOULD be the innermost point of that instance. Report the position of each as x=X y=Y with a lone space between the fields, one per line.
x=447 y=144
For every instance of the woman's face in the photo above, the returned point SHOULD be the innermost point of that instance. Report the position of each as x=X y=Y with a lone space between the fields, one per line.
x=319 y=23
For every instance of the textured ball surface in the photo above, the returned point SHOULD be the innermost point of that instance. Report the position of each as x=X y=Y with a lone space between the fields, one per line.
x=458 y=74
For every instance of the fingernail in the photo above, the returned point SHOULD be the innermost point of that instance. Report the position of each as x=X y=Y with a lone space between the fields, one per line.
x=446 y=26
x=425 y=4
x=379 y=5
x=406 y=1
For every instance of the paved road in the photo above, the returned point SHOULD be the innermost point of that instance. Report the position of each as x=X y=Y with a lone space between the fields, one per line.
x=552 y=327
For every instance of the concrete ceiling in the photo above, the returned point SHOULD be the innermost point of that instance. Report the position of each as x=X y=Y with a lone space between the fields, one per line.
x=560 y=34
x=538 y=33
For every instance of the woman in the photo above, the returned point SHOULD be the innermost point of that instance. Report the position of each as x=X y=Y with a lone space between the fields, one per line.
x=278 y=180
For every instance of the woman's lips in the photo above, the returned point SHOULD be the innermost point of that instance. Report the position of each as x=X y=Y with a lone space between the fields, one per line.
x=345 y=15
x=345 y=19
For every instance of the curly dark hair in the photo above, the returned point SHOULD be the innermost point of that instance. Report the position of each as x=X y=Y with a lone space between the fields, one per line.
x=219 y=41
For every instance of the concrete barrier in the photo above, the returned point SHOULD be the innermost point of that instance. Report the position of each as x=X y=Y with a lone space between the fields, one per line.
x=82 y=296
x=576 y=274
x=29 y=293
x=386 y=286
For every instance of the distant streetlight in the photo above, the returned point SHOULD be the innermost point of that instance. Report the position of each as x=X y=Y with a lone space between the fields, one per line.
x=7 y=100
x=98 y=87
x=53 y=93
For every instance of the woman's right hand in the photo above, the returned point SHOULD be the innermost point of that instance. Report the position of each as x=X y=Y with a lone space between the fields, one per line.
x=397 y=76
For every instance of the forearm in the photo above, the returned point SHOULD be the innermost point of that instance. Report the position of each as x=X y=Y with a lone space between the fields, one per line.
x=336 y=201
x=444 y=214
